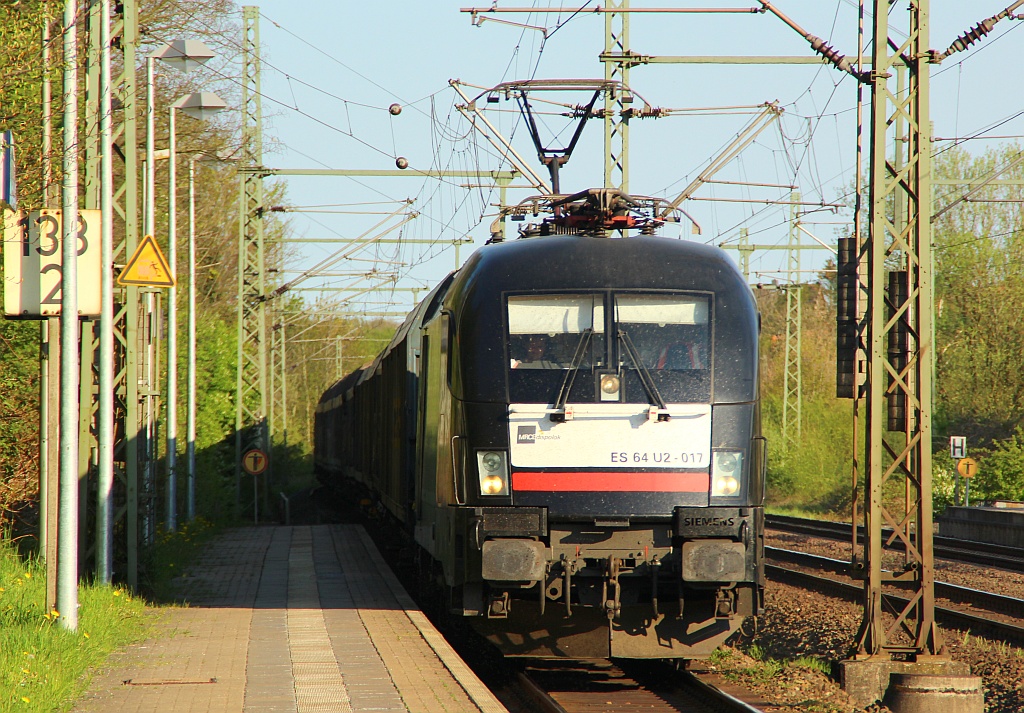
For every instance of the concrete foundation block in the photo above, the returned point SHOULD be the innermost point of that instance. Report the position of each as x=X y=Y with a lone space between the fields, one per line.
x=867 y=680
x=916 y=693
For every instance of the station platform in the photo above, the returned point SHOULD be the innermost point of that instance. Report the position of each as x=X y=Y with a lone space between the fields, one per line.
x=290 y=619
x=1001 y=524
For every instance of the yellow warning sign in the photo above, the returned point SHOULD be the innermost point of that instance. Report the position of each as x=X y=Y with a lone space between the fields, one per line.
x=147 y=267
x=967 y=467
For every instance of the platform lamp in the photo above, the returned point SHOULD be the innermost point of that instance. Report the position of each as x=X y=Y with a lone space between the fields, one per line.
x=190 y=397
x=198 y=105
x=184 y=55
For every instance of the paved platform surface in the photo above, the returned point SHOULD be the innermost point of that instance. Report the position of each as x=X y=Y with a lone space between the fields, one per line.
x=291 y=619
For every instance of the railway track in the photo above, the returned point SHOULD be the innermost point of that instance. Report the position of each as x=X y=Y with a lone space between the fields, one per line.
x=967 y=596
x=590 y=686
x=983 y=553
x=854 y=591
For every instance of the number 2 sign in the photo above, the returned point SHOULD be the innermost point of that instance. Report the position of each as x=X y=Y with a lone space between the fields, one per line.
x=33 y=263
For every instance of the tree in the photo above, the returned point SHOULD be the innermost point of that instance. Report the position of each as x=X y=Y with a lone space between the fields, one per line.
x=1001 y=470
x=979 y=281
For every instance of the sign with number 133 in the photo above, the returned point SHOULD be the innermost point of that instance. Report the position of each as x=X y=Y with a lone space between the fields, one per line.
x=33 y=263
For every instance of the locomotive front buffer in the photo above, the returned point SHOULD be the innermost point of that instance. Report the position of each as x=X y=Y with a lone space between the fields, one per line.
x=612 y=587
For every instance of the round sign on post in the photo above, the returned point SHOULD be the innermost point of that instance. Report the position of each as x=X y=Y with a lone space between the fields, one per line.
x=254 y=462
x=967 y=467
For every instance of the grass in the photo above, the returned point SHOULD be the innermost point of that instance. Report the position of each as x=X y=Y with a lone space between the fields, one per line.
x=1003 y=649
x=797 y=511
x=170 y=554
x=764 y=669
x=43 y=667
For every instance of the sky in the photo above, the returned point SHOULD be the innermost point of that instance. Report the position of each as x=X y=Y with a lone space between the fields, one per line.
x=331 y=70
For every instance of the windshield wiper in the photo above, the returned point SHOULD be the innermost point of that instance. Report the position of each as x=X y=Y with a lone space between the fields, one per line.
x=570 y=375
x=653 y=394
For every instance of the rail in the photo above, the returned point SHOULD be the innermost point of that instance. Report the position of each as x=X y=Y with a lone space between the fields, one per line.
x=985 y=553
x=580 y=686
x=854 y=592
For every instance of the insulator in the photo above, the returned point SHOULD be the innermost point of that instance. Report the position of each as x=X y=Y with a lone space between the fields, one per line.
x=395 y=109
x=898 y=351
x=828 y=52
x=970 y=37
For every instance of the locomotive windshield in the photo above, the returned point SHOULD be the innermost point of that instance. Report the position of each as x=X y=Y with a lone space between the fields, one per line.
x=670 y=336
x=544 y=332
x=668 y=331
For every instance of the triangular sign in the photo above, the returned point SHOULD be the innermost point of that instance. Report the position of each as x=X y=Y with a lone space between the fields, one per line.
x=147 y=267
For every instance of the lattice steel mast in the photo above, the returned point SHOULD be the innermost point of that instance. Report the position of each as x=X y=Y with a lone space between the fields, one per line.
x=251 y=425
x=130 y=348
x=898 y=336
x=616 y=69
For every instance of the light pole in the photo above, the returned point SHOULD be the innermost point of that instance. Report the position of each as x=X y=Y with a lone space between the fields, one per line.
x=190 y=397
x=184 y=55
x=199 y=105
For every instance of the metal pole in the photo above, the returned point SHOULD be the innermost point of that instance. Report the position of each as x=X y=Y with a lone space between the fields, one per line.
x=67 y=548
x=148 y=220
x=105 y=479
x=172 y=334
x=47 y=101
x=148 y=225
x=284 y=385
x=190 y=418
x=49 y=346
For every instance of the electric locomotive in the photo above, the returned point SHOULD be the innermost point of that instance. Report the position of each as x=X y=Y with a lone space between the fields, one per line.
x=569 y=428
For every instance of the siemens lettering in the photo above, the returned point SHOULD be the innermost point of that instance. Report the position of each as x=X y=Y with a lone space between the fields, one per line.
x=709 y=521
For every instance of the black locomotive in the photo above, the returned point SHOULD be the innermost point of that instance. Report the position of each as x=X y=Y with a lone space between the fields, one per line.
x=569 y=429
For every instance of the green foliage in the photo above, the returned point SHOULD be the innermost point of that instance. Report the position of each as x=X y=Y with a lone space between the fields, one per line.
x=42 y=665
x=765 y=671
x=170 y=554
x=979 y=282
x=812 y=663
x=720 y=656
x=816 y=472
x=215 y=417
x=19 y=409
x=20 y=77
x=979 y=385
x=1001 y=470
x=810 y=469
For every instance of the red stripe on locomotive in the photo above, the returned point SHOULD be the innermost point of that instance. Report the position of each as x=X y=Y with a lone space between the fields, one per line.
x=613 y=481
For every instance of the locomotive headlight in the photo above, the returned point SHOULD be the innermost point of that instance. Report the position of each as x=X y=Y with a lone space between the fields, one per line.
x=492 y=467
x=726 y=471
x=610 y=385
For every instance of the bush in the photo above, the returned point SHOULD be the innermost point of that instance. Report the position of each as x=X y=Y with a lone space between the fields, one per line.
x=815 y=473
x=1001 y=470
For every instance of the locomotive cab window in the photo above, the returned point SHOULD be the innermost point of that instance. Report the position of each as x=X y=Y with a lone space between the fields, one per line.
x=669 y=332
x=669 y=337
x=549 y=335
x=545 y=332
